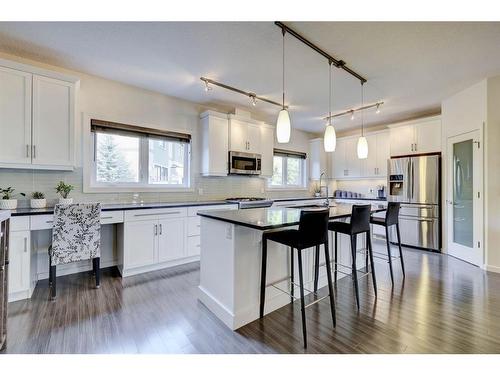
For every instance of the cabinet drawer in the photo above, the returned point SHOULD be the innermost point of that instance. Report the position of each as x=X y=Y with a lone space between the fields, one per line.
x=157 y=213
x=111 y=217
x=193 y=246
x=41 y=222
x=193 y=211
x=193 y=226
x=19 y=223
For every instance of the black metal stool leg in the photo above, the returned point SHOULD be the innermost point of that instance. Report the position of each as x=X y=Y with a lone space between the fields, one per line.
x=302 y=302
x=400 y=250
x=354 y=268
x=316 y=268
x=292 y=272
x=335 y=258
x=388 y=242
x=263 y=275
x=330 y=284
x=372 y=265
x=96 y=262
x=53 y=291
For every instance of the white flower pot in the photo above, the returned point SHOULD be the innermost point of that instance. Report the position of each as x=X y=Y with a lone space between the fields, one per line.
x=38 y=203
x=65 y=200
x=317 y=195
x=8 y=204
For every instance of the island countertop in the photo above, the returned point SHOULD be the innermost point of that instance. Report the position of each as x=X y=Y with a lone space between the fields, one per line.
x=277 y=217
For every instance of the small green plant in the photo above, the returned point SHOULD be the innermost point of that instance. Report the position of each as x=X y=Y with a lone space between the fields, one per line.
x=316 y=188
x=8 y=193
x=64 y=189
x=37 y=195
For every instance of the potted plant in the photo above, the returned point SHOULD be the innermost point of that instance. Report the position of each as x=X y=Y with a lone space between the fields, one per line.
x=8 y=202
x=317 y=190
x=38 y=200
x=64 y=189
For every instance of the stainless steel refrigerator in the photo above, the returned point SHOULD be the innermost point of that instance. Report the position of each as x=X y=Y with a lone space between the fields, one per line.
x=416 y=183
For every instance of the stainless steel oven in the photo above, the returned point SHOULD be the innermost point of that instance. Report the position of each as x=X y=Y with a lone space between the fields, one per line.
x=244 y=163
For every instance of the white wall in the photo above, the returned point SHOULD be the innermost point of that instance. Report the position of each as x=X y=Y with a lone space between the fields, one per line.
x=110 y=100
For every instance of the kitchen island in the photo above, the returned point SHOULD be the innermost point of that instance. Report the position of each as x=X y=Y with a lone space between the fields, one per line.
x=231 y=253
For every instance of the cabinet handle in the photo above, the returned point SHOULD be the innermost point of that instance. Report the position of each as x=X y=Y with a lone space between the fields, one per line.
x=25 y=244
x=27 y=151
x=156 y=230
x=161 y=213
x=160 y=230
x=415 y=147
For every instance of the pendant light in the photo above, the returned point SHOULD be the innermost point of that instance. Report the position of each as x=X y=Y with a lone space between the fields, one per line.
x=362 y=142
x=283 y=126
x=330 y=137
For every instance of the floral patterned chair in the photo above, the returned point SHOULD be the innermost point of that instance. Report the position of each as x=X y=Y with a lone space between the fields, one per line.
x=76 y=235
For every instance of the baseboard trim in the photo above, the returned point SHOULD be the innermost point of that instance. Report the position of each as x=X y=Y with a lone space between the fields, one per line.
x=493 y=269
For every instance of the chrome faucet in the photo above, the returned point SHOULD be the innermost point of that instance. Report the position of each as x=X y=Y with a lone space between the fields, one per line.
x=327 y=201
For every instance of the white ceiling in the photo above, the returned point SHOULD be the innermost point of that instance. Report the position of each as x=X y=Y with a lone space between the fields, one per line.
x=410 y=66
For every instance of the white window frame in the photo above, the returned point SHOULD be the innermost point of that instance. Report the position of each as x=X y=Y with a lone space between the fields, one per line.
x=284 y=185
x=90 y=185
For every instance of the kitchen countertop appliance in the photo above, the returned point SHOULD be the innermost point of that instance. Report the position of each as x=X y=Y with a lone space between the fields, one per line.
x=415 y=182
x=4 y=274
x=250 y=202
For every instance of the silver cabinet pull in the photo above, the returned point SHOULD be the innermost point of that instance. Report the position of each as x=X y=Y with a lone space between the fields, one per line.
x=25 y=244
x=27 y=151
x=49 y=221
x=161 y=213
x=160 y=230
x=34 y=151
x=106 y=217
x=415 y=147
x=156 y=230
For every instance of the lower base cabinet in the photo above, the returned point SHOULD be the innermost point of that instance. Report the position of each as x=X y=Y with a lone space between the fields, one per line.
x=140 y=243
x=19 y=265
x=171 y=235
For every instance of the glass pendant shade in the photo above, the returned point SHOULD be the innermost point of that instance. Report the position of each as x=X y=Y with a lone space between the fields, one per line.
x=330 y=138
x=283 y=127
x=362 y=148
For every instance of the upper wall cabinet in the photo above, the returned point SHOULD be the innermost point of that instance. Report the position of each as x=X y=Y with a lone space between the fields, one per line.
x=37 y=111
x=317 y=159
x=375 y=165
x=222 y=133
x=416 y=137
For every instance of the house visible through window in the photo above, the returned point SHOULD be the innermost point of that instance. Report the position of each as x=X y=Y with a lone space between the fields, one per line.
x=129 y=156
x=288 y=170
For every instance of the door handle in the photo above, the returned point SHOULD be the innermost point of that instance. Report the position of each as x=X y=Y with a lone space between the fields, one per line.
x=25 y=244
x=160 y=230
x=34 y=151
x=156 y=230
x=27 y=151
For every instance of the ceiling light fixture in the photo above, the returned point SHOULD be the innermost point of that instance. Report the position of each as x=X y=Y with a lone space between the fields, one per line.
x=283 y=126
x=253 y=99
x=354 y=110
x=378 y=109
x=210 y=82
x=362 y=142
x=352 y=115
x=330 y=136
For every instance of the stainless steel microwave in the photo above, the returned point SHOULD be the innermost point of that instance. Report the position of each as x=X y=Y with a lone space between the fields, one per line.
x=244 y=163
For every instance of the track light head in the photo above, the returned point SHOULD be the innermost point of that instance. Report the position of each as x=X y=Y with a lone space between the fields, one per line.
x=207 y=86
x=352 y=115
x=378 y=109
x=253 y=99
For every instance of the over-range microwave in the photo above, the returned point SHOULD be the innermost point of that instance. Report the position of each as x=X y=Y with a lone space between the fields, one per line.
x=244 y=163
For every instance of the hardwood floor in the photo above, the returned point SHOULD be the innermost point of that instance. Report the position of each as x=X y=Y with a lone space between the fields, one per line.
x=443 y=306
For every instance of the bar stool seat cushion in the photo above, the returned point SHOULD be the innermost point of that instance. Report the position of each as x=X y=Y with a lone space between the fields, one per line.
x=340 y=226
x=289 y=237
x=377 y=220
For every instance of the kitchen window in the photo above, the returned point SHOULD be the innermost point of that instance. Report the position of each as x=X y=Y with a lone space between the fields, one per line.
x=288 y=170
x=126 y=156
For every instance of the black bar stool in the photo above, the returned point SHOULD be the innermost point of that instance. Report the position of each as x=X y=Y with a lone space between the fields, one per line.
x=360 y=223
x=391 y=218
x=312 y=232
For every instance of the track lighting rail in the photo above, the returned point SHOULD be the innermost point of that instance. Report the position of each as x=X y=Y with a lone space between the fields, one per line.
x=338 y=63
x=253 y=97
x=353 y=110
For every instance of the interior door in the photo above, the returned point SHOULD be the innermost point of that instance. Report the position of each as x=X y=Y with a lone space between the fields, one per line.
x=15 y=116
x=464 y=198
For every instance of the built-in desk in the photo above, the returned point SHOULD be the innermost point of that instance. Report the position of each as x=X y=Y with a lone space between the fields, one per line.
x=136 y=238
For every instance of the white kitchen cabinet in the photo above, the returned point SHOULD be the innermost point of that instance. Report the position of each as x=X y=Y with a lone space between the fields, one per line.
x=15 y=117
x=345 y=159
x=317 y=159
x=19 y=264
x=214 y=144
x=171 y=236
x=416 y=137
x=339 y=164
x=140 y=243
x=375 y=165
x=37 y=112
x=254 y=138
x=267 y=150
x=244 y=135
x=53 y=122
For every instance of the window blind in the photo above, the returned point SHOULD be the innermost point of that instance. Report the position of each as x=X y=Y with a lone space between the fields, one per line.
x=290 y=154
x=132 y=130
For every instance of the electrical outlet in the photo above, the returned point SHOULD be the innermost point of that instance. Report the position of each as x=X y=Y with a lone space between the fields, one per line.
x=200 y=191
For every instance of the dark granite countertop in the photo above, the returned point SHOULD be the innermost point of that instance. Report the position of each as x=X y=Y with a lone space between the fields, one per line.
x=277 y=217
x=4 y=215
x=331 y=197
x=120 y=207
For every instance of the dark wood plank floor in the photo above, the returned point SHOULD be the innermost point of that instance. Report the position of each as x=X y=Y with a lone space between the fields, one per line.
x=443 y=306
